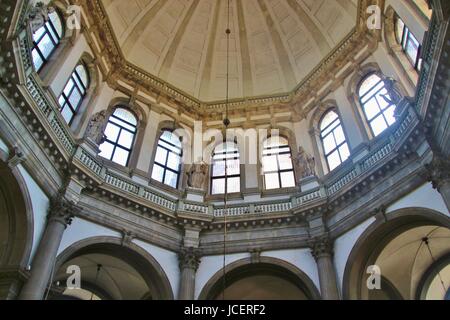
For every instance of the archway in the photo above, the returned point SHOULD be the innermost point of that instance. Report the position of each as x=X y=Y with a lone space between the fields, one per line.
x=404 y=247
x=110 y=271
x=268 y=279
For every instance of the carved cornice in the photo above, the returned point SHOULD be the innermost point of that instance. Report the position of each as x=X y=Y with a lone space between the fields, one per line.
x=189 y=258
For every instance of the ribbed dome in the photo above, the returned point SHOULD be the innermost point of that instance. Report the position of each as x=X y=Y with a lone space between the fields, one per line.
x=274 y=45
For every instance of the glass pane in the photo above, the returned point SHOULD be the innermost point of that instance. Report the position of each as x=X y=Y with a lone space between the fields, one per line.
x=389 y=114
x=78 y=83
x=329 y=144
x=378 y=125
x=54 y=35
x=368 y=84
x=382 y=101
x=161 y=156
x=75 y=98
x=372 y=92
x=345 y=152
x=67 y=114
x=174 y=161
x=112 y=132
x=46 y=46
x=272 y=181
x=106 y=150
x=38 y=34
x=218 y=186
x=170 y=147
x=121 y=156
x=68 y=87
x=287 y=179
x=123 y=124
x=61 y=101
x=328 y=119
x=233 y=167
x=37 y=60
x=54 y=17
x=126 y=116
x=81 y=70
x=339 y=135
x=371 y=109
x=126 y=139
x=234 y=185
x=399 y=26
x=333 y=160
x=219 y=169
x=171 y=138
x=171 y=179
x=412 y=48
x=157 y=173
x=285 y=162
x=270 y=163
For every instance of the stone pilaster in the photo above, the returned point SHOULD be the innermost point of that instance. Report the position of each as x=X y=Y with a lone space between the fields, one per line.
x=11 y=280
x=61 y=213
x=189 y=259
x=322 y=251
x=439 y=174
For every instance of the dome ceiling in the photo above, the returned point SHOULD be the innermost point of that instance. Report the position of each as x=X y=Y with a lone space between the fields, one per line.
x=274 y=44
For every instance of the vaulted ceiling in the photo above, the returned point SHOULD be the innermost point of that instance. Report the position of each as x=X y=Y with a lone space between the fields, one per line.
x=274 y=44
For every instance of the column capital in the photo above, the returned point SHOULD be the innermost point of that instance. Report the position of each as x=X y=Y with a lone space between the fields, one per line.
x=321 y=246
x=438 y=171
x=189 y=258
x=62 y=211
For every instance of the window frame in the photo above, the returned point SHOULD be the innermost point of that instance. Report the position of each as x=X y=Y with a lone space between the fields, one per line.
x=335 y=124
x=165 y=166
x=55 y=42
x=405 y=40
x=279 y=171
x=226 y=176
x=121 y=128
x=66 y=98
x=373 y=96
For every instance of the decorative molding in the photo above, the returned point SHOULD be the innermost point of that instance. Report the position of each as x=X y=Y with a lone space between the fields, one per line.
x=438 y=171
x=321 y=246
x=62 y=211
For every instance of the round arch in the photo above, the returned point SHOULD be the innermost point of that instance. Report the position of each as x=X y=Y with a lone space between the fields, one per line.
x=16 y=217
x=372 y=242
x=246 y=267
x=147 y=266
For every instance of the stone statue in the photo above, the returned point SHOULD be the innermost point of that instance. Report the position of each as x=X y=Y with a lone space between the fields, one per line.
x=96 y=127
x=306 y=164
x=38 y=15
x=393 y=97
x=197 y=175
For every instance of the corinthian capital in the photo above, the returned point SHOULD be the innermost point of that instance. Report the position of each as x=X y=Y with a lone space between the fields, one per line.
x=189 y=258
x=321 y=246
x=62 y=211
x=438 y=171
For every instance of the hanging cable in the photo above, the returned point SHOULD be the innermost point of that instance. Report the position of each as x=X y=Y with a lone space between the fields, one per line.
x=426 y=241
x=226 y=123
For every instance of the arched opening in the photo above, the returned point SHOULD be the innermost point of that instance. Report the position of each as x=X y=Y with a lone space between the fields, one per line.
x=109 y=271
x=403 y=248
x=269 y=279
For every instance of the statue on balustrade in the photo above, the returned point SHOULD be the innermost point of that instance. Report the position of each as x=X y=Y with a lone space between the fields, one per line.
x=96 y=127
x=305 y=163
x=197 y=174
x=393 y=96
x=38 y=15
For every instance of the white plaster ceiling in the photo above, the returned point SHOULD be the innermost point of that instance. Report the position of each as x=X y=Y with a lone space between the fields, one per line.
x=274 y=44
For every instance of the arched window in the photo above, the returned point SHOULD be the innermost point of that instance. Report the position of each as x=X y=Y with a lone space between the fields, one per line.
x=226 y=171
x=277 y=164
x=120 y=134
x=333 y=140
x=74 y=92
x=374 y=100
x=167 y=165
x=410 y=44
x=46 y=39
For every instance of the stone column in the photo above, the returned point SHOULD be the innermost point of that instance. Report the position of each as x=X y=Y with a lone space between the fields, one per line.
x=60 y=216
x=322 y=251
x=189 y=261
x=439 y=174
